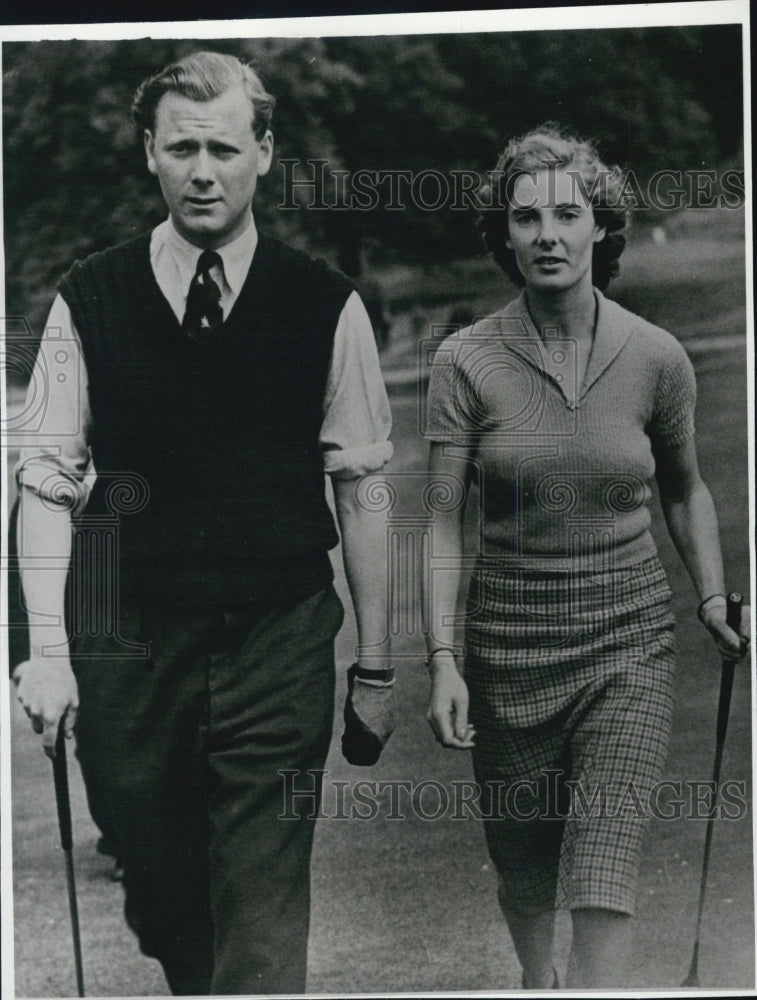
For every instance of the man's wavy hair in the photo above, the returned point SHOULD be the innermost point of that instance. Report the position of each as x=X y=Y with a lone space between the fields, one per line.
x=552 y=146
x=202 y=76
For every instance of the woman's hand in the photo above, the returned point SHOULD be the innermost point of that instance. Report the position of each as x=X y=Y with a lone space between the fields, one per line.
x=448 y=707
x=731 y=646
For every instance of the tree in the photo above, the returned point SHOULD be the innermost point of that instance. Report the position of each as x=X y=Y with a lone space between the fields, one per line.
x=75 y=179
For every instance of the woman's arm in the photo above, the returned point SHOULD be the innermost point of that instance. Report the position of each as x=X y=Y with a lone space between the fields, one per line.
x=448 y=707
x=693 y=526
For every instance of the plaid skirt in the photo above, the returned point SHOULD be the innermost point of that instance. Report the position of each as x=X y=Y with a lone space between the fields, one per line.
x=571 y=693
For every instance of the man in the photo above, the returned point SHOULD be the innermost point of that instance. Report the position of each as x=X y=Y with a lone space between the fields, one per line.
x=217 y=373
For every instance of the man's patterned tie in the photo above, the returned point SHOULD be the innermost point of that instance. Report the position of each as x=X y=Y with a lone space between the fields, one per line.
x=204 y=314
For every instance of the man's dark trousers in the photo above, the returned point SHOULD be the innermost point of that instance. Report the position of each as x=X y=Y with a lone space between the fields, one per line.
x=188 y=745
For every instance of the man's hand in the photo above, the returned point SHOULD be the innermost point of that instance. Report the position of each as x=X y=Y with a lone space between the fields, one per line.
x=730 y=645
x=448 y=708
x=369 y=714
x=46 y=687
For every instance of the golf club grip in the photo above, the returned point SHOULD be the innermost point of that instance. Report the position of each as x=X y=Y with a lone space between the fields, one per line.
x=733 y=611
x=733 y=620
x=62 y=800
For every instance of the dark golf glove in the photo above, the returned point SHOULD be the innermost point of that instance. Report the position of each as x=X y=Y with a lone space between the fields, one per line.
x=369 y=714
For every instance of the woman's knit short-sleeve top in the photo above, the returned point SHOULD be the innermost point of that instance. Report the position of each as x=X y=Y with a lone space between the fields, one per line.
x=564 y=470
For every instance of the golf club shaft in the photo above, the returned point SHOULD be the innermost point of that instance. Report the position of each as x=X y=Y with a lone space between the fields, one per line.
x=74 y=912
x=733 y=620
x=63 y=803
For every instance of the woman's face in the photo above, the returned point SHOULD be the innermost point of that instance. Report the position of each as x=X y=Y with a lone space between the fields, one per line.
x=552 y=229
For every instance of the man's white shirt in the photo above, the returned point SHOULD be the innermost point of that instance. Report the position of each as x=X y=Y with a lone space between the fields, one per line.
x=354 y=433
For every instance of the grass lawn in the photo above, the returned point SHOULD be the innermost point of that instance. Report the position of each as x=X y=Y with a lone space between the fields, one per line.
x=410 y=905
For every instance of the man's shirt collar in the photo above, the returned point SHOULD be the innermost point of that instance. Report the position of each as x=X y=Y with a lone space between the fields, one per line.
x=236 y=256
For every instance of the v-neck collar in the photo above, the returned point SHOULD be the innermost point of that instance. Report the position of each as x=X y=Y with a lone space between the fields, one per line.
x=151 y=282
x=522 y=337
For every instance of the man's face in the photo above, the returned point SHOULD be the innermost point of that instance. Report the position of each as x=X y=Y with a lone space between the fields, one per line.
x=208 y=161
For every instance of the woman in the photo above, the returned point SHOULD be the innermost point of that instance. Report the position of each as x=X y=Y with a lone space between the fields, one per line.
x=563 y=407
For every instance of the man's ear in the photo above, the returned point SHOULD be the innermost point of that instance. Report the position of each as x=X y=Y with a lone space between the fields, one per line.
x=150 y=152
x=265 y=157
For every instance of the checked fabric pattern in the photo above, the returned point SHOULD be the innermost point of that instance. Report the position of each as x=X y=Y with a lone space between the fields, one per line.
x=570 y=677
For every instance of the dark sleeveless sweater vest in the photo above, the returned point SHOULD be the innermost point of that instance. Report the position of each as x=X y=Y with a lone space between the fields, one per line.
x=208 y=451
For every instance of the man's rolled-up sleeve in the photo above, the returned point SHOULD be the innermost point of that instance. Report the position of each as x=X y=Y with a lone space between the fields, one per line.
x=357 y=421
x=56 y=463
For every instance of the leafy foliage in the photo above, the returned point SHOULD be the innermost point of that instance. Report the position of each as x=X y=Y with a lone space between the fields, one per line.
x=74 y=174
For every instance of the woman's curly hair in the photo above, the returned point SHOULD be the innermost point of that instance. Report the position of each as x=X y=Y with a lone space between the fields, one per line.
x=550 y=146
